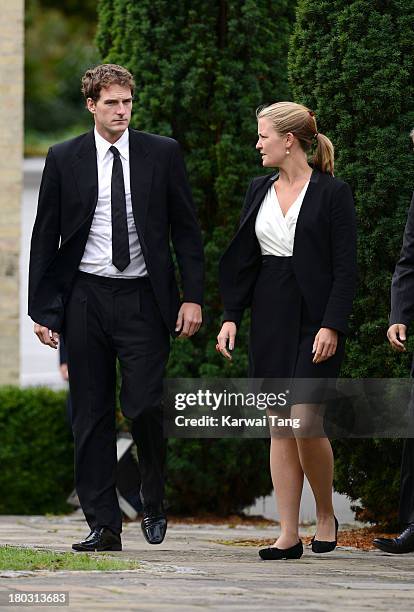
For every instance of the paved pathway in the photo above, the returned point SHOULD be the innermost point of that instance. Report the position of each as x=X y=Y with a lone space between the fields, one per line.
x=191 y=571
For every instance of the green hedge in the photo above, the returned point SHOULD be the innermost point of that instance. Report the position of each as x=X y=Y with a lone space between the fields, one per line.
x=218 y=476
x=36 y=459
x=201 y=69
x=351 y=61
x=221 y=476
x=368 y=471
x=36 y=451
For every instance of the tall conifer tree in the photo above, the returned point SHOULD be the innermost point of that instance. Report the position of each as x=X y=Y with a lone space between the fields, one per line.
x=352 y=62
x=201 y=70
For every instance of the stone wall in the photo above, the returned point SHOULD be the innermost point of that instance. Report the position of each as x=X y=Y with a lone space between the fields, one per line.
x=11 y=147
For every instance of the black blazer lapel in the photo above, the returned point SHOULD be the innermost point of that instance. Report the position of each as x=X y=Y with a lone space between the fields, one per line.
x=85 y=170
x=258 y=197
x=307 y=210
x=141 y=168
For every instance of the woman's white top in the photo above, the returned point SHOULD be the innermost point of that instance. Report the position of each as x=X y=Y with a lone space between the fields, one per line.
x=276 y=232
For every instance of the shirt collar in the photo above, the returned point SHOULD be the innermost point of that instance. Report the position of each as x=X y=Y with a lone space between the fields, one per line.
x=102 y=145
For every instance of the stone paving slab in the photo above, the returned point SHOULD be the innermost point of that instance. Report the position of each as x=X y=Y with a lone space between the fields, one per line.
x=190 y=571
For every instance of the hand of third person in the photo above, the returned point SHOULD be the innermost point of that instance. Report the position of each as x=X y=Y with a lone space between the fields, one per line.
x=397 y=335
x=324 y=345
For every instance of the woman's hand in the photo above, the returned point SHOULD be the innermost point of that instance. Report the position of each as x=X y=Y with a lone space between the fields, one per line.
x=324 y=345
x=227 y=333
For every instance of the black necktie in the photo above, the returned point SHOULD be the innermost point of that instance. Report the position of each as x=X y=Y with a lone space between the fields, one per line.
x=120 y=242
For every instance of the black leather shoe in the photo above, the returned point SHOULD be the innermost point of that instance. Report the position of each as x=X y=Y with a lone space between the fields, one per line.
x=101 y=538
x=404 y=543
x=154 y=524
x=320 y=546
x=275 y=554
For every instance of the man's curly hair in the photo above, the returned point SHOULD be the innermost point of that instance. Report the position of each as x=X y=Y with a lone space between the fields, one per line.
x=103 y=76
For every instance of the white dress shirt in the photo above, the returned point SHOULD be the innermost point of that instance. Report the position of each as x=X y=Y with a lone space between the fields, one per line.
x=275 y=231
x=97 y=257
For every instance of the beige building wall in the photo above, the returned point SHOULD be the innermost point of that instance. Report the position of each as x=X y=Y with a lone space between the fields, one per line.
x=11 y=148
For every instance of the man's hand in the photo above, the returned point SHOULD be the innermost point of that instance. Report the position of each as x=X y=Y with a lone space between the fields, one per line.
x=46 y=335
x=64 y=371
x=227 y=333
x=189 y=319
x=397 y=334
x=324 y=345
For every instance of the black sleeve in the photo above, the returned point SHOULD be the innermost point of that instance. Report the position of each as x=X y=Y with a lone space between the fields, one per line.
x=46 y=231
x=247 y=202
x=63 y=358
x=185 y=231
x=402 y=286
x=238 y=270
x=344 y=260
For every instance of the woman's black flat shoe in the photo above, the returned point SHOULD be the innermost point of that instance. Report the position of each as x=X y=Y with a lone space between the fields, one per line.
x=319 y=546
x=273 y=554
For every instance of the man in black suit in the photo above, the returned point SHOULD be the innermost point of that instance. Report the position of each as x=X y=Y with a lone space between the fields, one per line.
x=102 y=275
x=402 y=313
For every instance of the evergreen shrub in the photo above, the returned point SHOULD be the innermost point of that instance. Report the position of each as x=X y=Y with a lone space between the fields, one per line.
x=352 y=62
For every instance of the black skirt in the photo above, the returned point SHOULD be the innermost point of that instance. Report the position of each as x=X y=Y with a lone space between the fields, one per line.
x=282 y=331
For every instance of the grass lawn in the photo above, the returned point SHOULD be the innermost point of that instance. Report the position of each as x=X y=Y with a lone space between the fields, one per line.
x=15 y=558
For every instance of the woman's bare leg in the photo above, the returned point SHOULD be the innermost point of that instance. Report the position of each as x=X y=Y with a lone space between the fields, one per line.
x=316 y=459
x=287 y=478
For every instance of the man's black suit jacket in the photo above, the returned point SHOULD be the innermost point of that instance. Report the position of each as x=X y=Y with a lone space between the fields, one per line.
x=324 y=253
x=163 y=209
x=402 y=286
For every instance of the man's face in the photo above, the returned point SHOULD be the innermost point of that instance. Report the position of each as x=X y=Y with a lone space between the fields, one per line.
x=112 y=111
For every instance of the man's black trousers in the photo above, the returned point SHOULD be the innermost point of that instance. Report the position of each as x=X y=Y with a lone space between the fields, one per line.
x=407 y=483
x=106 y=319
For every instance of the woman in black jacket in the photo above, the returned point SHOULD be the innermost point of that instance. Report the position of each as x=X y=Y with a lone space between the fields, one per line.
x=293 y=262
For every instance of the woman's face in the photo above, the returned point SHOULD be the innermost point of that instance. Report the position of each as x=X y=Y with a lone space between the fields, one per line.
x=271 y=146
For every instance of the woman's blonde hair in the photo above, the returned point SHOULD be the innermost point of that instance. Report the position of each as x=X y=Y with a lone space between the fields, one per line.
x=301 y=122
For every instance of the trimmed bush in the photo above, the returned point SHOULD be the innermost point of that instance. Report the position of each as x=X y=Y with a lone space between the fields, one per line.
x=368 y=471
x=36 y=459
x=36 y=451
x=352 y=63
x=218 y=476
x=201 y=70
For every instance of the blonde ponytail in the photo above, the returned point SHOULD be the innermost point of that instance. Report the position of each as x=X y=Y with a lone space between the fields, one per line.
x=323 y=158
